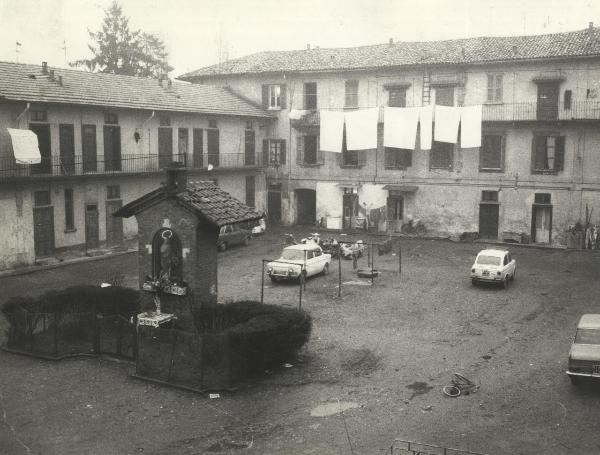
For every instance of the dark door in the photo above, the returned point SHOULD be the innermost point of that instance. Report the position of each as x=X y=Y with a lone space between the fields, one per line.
x=307 y=207
x=43 y=231
x=198 y=160
x=541 y=228
x=395 y=213
x=114 y=225
x=249 y=148
x=42 y=132
x=88 y=148
x=92 y=238
x=212 y=140
x=112 y=148
x=444 y=95
x=547 y=101
x=165 y=147
x=250 y=191
x=66 y=137
x=488 y=221
x=182 y=144
x=350 y=210
x=274 y=203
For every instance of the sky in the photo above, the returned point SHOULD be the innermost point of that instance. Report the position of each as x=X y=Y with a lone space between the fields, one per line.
x=199 y=32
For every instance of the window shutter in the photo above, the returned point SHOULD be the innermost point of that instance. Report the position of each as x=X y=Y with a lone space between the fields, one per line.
x=283 y=96
x=265 y=96
x=320 y=154
x=389 y=157
x=299 y=149
x=362 y=157
x=540 y=152
x=282 y=157
x=559 y=154
x=390 y=208
x=265 y=152
x=406 y=158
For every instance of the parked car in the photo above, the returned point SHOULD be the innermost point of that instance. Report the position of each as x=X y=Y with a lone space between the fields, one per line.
x=233 y=234
x=584 y=356
x=305 y=259
x=493 y=266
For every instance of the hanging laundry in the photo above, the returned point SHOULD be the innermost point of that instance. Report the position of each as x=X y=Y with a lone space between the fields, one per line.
x=447 y=119
x=400 y=127
x=470 y=126
x=332 y=129
x=425 y=122
x=296 y=114
x=361 y=129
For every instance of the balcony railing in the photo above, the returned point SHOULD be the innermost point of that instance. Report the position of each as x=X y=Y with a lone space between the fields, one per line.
x=126 y=164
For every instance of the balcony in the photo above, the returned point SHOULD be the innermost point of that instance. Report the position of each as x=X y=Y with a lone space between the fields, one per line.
x=57 y=166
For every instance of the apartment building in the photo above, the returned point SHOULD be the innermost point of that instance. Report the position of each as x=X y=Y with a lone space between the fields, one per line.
x=534 y=175
x=103 y=141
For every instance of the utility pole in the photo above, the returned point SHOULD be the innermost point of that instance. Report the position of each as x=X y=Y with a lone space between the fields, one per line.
x=17 y=46
x=64 y=48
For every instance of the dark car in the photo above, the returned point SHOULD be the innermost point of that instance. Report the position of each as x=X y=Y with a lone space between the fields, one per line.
x=233 y=234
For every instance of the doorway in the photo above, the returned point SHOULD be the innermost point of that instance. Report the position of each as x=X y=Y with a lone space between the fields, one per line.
x=395 y=213
x=541 y=226
x=92 y=237
x=165 y=147
x=66 y=137
x=112 y=148
x=547 y=100
x=42 y=132
x=488 y=220
x=274 y=202
x=114 y=225
x=43 y=231
x=307 y=207
x=350 y=210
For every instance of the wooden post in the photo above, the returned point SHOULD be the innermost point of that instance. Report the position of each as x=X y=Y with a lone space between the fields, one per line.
x=339 y=271
x=262 y=282
x=372 y=269
x=399 y=260
x=301 y=286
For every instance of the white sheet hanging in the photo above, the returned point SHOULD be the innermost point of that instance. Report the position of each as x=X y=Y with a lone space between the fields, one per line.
x=426 y=122
x=331 y=131
x=361 y=129
x=447 y=119
x=400 y=127
x=470 y=126
x=25 y=146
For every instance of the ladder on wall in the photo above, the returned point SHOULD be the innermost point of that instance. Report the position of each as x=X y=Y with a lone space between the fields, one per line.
x=426 y=89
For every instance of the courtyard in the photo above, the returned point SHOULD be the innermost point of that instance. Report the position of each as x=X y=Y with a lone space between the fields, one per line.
x=373 y=370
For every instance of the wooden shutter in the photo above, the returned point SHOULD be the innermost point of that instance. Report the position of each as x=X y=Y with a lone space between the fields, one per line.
x=538 y=153
x=362 y=157
x=282 y=152
x=265 y=152
x=559 y=153
x=300 y=150
x=283 y=94
x=265 y=96
x=406 y=158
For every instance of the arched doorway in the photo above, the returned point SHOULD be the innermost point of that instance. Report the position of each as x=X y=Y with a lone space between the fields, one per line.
x=306 y=207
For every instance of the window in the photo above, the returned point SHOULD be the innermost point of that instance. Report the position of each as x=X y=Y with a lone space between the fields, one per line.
x=38 y=116
x=489 y=196
x=276 y=152
x=542 y=198
x=212 y=123
x=69 y=216
x=567 y=99
x=310 y=95
x=41 y=198
x=164 y=120
x=351 y=94
x=491 y=153
x=444 y=95
x=212 y=143
x=442 y=155
x=349 y=157
x=397 y=97
x=110 y=118
x=494 y=88
x=113 y=192
x=396 y=158
x=309 y=254
x=548 y=153
x=308 y=150
x=273 y=96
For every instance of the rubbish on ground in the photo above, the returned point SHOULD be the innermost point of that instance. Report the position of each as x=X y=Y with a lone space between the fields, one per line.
x=214 y=395
x=367 y=273
x=288 y=365
x=460 y=386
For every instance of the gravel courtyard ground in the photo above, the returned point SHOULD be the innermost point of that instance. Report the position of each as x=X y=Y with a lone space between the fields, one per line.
x=372 y=372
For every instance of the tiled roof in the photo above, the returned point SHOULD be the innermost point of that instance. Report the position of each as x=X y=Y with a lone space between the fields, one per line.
x=21 y=82
x=458 y=51
x=204 y=198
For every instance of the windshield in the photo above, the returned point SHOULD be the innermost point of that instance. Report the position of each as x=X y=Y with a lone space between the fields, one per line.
x=488 y=260
x=587 y=336
x=293 y=255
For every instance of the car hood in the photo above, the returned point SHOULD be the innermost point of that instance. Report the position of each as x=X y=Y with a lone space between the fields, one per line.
x=585 y=352
x=285 y=262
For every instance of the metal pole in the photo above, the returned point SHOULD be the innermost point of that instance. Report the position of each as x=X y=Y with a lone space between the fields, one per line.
x=262 y=282
x=301 y=286
x=399 y=260
x=372 y=268
x=339 y=270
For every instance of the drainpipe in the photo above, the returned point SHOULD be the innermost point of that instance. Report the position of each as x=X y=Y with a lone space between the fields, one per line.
x=22 y=114
x=143 y=123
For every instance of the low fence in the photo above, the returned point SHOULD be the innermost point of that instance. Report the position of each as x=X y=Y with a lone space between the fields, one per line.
x=401 y=447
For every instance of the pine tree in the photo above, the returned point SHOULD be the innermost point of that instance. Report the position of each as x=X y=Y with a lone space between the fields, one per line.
x=117 y=49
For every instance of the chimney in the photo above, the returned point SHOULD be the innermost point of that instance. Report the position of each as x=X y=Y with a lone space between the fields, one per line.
x=515 y=51
x=391 y=42
x=308 y=47
x=176 y=178
x=44 y=67
x=160 y=81
x=51 y=73
x=60 y=79
x=169 y=83
x=590 y=25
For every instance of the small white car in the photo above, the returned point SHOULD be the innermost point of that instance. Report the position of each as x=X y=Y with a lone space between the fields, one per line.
x=493 y=266
x=305 y=259
x=584 y=357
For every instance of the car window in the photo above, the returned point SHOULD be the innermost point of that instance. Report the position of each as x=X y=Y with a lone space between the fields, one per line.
x=488 y=260
x=509 y=258
x=222 y=230
x=292 y=255
x=587 y=336
x=309 y=254
x=317 y=253
x=506 y=259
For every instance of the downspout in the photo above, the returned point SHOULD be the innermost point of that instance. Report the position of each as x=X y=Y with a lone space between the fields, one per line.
x=143 y=123
x=22 y=114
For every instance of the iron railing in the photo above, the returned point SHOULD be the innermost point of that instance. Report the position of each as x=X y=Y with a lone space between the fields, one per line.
x=126 y=164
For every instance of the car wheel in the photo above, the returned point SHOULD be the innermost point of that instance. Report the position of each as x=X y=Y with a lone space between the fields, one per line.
x=326 y=269
x=246 y=241
x=473 y=281
x=575 y=380
x=223 y=246
x=505 y=282
x=514 y=274
x=274 y=279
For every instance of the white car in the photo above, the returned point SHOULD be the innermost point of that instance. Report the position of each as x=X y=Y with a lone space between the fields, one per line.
x=305 y=259
x=584 y=357
x=494 y=266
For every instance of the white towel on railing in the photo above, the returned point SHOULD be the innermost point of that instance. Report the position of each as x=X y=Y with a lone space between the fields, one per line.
x=470 y=126
x=361 y=129
x=447 y=119
x=331 y=131
x=400 y=127
x=426 y=122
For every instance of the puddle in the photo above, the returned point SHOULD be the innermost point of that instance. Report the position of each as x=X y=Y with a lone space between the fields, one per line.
x=330 y=409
